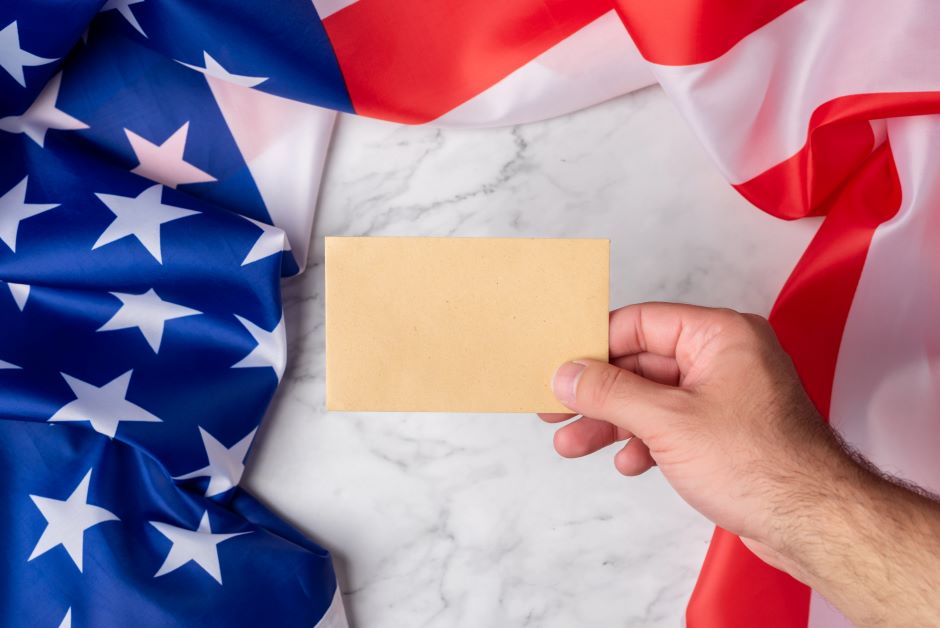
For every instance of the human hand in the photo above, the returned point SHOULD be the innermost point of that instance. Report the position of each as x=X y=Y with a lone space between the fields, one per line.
x=711 y=398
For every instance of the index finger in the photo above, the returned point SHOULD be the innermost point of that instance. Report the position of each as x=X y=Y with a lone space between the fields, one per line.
x=657 y=327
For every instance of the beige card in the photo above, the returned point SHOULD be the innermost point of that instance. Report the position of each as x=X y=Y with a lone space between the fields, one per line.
x=460 y=324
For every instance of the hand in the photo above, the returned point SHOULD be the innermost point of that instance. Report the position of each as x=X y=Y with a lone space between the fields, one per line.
x=712 y=399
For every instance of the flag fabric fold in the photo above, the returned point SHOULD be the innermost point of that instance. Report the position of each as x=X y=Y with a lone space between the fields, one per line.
x=146 y=225
x=824 y=107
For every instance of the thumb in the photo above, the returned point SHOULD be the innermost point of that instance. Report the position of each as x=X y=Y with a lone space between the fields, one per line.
x=604 y=391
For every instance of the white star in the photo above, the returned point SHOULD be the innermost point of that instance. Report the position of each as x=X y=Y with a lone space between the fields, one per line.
x=148 y=312
x=124 y=8
x=13 y=58
x=197 y=545
x=42 y=115
x=214 y=69
x=14 y=208
x=67 y=521
x=226 y=465
x=103 y=407
x=271 y=349
x=20 y=292
x=164 y=162
x=271 y=240
x=141 y=217
x=67 y=620
x=7 y=365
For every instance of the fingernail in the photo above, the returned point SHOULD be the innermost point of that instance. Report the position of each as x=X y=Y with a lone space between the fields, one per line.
x=565 y=381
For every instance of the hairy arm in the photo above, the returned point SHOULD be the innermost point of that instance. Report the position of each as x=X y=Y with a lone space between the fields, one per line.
x=868 y=543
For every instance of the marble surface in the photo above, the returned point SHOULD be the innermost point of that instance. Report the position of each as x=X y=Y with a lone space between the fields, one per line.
x=473 y=520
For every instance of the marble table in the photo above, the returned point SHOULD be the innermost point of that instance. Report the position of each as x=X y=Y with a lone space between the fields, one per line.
x=468 y=521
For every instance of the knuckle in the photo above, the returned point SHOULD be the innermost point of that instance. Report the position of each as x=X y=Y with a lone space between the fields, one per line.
x=747 y=327
x=726 y=321
x=761 y=332
x=756 y=319
x=723 y=325
x=759 y=324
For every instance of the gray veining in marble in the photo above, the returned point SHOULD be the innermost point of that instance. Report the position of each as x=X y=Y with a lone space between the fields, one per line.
x=471 y=521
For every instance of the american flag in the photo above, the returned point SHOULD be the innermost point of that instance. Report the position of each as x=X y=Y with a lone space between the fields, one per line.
x=160 y=167
x=143 y=336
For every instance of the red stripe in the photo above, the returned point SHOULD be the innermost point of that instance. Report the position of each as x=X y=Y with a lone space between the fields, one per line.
x=812 y=308
x=735 y=588
x=686 y=32
x=839 y=141
x=414 y=61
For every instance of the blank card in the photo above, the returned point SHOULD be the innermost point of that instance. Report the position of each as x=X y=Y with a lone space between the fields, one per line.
x=460 y=324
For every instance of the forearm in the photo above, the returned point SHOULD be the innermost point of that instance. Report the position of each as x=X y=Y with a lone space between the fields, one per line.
x=867 y=544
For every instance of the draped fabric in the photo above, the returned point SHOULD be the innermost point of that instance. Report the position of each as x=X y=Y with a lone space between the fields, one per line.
x=826 y=107
x=159 y=167
x=143 y=336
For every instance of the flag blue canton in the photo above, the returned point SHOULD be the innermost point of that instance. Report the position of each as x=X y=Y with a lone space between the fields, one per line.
x=140 y=258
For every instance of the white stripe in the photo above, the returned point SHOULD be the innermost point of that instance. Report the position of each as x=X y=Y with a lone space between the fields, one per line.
x=886 y=391
x=329 y=7
x=335 y=616
x=598 y=62
x=751 y=107
x=284 y=144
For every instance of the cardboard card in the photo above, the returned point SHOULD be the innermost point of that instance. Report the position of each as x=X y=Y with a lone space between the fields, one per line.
x=460 y=324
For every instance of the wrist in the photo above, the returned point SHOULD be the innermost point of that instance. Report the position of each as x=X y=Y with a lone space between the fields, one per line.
x=821 y=492
x=831 y=515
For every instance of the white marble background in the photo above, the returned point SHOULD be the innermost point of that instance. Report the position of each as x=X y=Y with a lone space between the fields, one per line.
x=473 y=520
